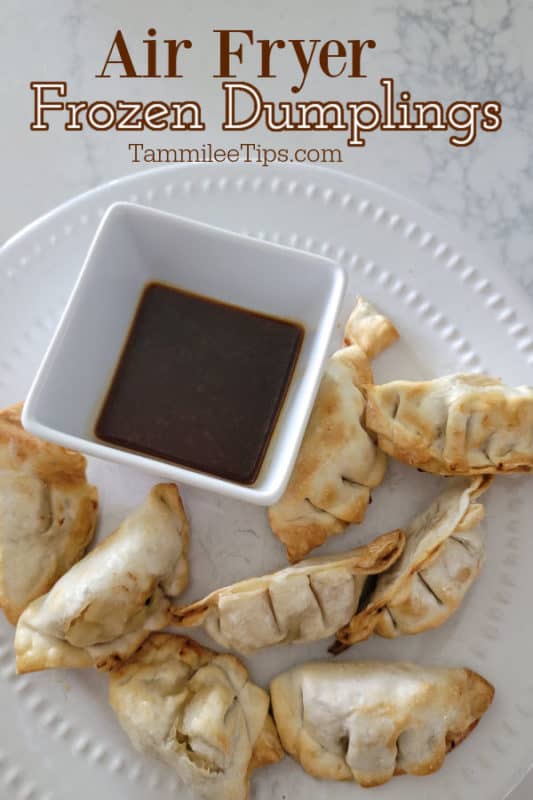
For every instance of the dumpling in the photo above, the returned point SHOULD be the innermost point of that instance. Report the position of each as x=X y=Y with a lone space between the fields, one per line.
x=368 y=721
x=369 y=329
x=303 y=603
x=339 y=462
x=443 y=555
x=100 y=611
x=47 y=513
x=197 y=711
x=456 y=425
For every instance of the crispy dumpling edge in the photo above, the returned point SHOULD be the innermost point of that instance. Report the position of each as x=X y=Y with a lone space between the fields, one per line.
x=60 y=468
x=408 y=450
x=55 y=653
x=368 y=618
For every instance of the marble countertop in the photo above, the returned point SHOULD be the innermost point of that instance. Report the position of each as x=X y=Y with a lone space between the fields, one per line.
x=456 y=49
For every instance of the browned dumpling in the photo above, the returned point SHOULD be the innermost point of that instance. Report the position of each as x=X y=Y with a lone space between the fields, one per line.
x=443 y=555
x=302 y=603
x=339 y=462
x=100 y=611
x=198 y=712
x=368 y=721
x=47 y=513
x=456 y=425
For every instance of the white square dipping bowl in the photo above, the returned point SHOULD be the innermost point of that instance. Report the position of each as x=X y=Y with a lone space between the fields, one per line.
x=135 y=246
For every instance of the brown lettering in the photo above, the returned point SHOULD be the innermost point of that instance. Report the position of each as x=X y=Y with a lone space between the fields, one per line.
x=39 y=104
x=151 y=55
x=326 y=56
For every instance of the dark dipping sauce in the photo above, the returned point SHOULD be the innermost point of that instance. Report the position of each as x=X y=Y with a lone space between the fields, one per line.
x=200 y=383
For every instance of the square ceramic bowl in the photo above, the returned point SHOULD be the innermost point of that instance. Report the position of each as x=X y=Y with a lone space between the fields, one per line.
x=135 y=246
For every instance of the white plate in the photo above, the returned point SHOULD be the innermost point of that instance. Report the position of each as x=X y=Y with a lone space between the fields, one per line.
x=58 y=737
